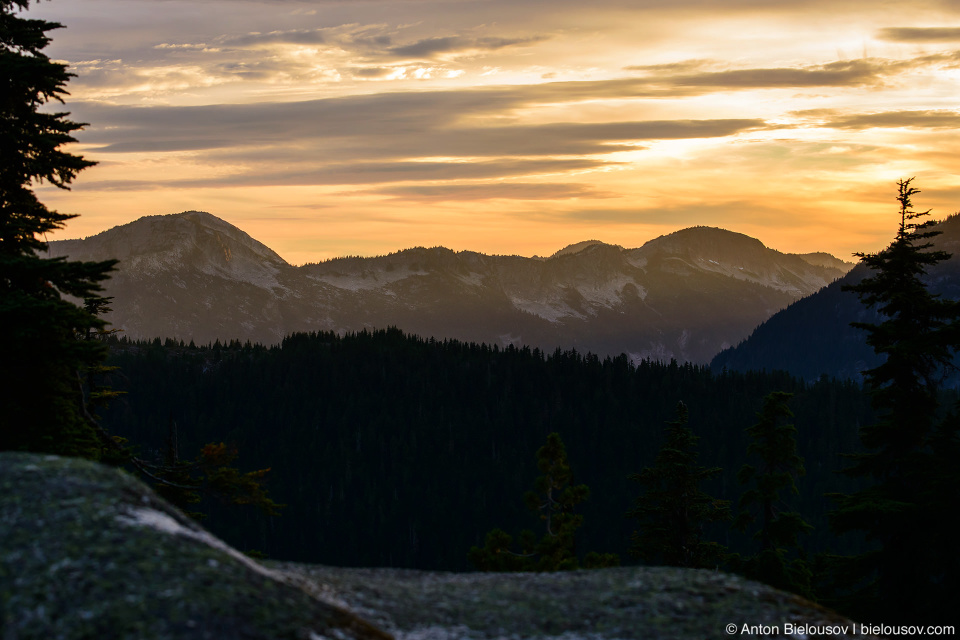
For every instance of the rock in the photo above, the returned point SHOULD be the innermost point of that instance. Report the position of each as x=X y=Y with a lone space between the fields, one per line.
x=656 y=603
x=87 y=551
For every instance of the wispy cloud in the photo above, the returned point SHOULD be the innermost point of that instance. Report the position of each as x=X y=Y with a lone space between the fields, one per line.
x=920 y=34
x=492 y=191
x=937 y=119
x=842 y=73
x=427 y=123
x=429 y=47
x=292 y=36
x=360 y=173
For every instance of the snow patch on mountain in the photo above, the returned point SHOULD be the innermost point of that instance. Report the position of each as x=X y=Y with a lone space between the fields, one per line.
x=552 y=310
x=610 y=293
x=472 y=279
x=366 y=280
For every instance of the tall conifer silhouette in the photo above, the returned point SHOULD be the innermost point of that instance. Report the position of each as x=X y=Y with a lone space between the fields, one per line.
x=903 y=577
x=44 y=355
x=673 y=510
x=773 y=442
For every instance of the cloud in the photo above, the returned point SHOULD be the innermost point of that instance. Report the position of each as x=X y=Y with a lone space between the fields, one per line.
x=372 y=72
x=920 y=34
x=496 y=191
x=924 y=119
x=182 y=47
x=422 y=124
x=293 y=36
x=377 y=139
x=211 y=126
x=685 y=66
x=429 y=47
x=912 y=119
x=840 y=73
x=363 y=173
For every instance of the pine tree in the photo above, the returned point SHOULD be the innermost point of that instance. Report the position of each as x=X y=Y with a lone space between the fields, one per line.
x=774 y=442
x=673 y=510
x=44 y=355
x=553 y=501
x=904 y=511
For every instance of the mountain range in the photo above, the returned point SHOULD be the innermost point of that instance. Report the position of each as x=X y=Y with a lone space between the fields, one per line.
x=686 y=295
x=813 y=336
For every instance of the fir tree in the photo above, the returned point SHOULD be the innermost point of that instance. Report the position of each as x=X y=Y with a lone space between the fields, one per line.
x=53 y=350
x=673 y=510
x=44 y=356
x=552 y=500
x=905 y=508
x=774 y=442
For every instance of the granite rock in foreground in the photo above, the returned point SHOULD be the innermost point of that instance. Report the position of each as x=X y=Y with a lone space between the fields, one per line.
x=87 y=551
x=652 y=603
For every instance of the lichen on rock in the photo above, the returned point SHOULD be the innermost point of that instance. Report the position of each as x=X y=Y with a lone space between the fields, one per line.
x=662 y=603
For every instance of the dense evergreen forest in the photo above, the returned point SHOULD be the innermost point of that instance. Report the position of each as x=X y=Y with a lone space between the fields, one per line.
x=392 y=450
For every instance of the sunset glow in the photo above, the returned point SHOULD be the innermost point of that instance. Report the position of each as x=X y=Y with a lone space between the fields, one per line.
x=326 y=128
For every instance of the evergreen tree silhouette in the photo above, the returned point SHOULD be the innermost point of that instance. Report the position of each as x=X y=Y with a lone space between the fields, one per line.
x=552 y=500
x=52 y=348
x=42 y=332
x=903 y=511
x=673 y=510
x=774 y=442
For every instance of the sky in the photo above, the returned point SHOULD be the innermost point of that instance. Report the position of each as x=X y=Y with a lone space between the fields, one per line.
x=326 y=128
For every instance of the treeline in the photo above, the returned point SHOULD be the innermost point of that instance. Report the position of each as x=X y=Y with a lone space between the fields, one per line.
x=393 y=450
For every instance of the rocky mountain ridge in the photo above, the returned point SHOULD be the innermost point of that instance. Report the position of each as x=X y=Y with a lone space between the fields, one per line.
x=685 y=295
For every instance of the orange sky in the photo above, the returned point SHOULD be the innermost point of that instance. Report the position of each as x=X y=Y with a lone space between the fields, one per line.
x=330 y=127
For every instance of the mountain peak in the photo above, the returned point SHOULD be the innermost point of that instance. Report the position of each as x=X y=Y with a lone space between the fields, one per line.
x=577 y=247
x=173 y=238
x=701 y=238
x=739 y=256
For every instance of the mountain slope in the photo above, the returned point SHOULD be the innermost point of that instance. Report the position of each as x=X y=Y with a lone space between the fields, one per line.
x=685 y=295
x=813 y=336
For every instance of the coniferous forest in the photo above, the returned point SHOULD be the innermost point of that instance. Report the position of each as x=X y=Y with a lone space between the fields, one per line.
x=395 y=450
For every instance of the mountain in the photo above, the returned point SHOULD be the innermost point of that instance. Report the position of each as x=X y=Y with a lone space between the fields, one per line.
x=685 y=295
x=813 y=336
